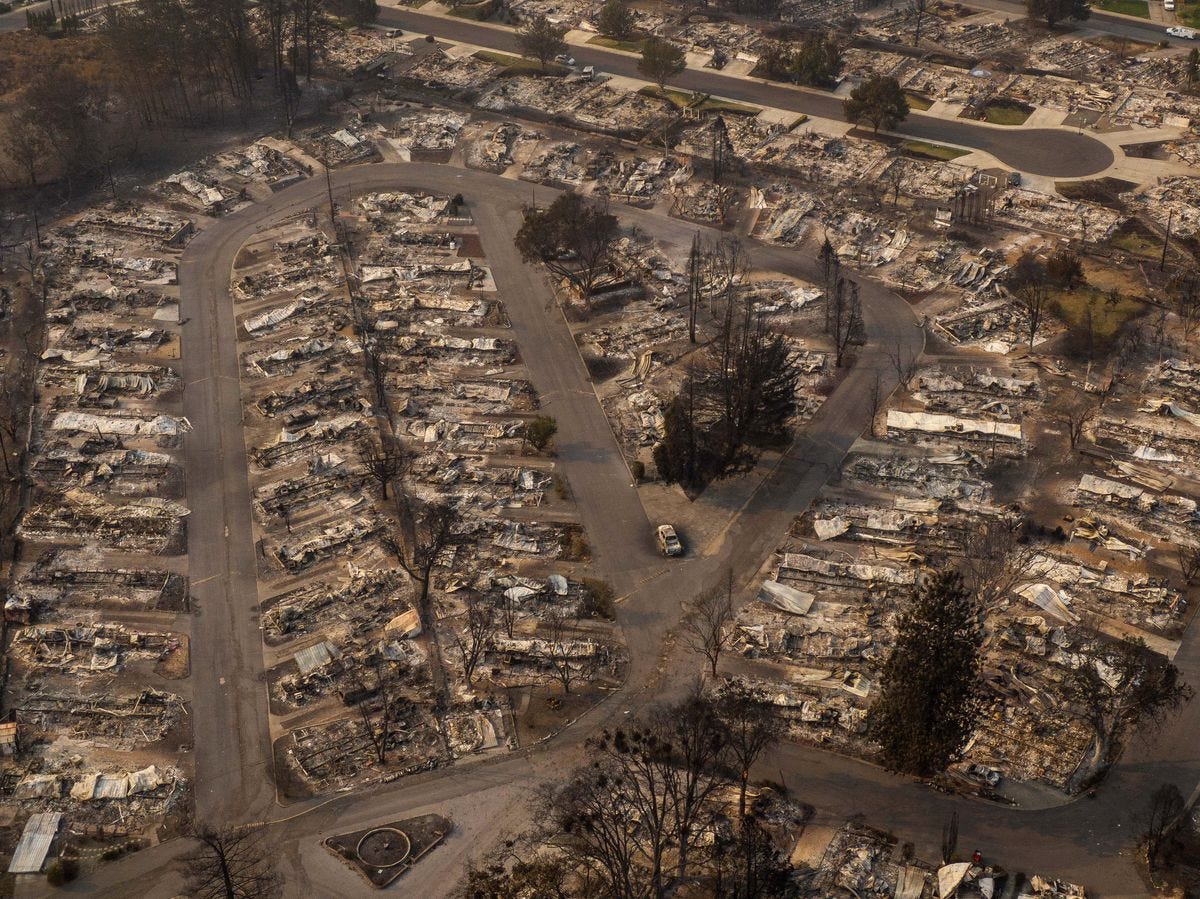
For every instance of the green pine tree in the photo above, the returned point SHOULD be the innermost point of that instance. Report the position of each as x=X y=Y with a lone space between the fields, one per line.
x=929 y=694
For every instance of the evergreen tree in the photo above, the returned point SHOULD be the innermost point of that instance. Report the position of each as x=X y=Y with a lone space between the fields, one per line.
x=929 y=694
x=661 y=60
x=541 y=39
x=616 y=20
x=879 y=101
x=1055 y=11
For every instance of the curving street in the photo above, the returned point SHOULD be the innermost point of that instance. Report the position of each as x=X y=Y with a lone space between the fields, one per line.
x=1082 y=841
x=1057 y=152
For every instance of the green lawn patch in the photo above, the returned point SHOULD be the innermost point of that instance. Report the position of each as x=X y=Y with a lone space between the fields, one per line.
x=685 y=99
x=1105 y=191
x=713 y=104
x=678 y=99
x=1006 y=112
x=1107 y=316
x=1139 y=8
x=1137 y=243
x=917 y=101
x=1188 y=15
x=476 y=12
x=613 y=44
x=518 y=64
x=501 y=59
x=933 y=151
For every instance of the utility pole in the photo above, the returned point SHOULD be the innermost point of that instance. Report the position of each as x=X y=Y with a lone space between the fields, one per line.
x=329 y=191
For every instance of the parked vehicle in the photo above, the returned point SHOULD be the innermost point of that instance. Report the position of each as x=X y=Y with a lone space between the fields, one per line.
x=669 y=543
x=1185 y=33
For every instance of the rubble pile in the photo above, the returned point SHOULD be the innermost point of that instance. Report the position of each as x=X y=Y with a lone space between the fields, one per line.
x=412 y=351
x=491 y=148
x=1177 y=198
x=1055 y=215
x=733 y=39
x=226 y=181
x=823 y=623
x=428 y=130
x=563 y=13
x=585 y=103
x=557 y=163
x=863 y=861
x=928 y=79
x=635 y=338
x=438 y=71
x=96 y=650
x=352 y=143
x=821 y=159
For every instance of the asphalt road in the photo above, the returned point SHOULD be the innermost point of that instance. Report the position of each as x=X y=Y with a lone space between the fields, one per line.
x=229 y=702
x=233 y=754
x=1098 y=21
x=1087 y=840
x=1039 y=151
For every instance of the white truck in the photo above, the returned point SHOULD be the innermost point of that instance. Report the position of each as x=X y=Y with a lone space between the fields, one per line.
x=1185 y=33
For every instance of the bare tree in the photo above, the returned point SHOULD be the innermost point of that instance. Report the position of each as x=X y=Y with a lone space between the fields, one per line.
x=996 y=556
x=707 y=625
x=1163 y=816
x=753 y=725
x=875 y=400
x=721 y=148
x=15 y=383
x=426 y=531
x=507 y=612
x=695 y=284
x=918 y=8
x=590 y=821
x=904 y=364
x=1032 y=298
x=568 y=658
x=697 y=752
x=845 y=318
x=476 y=637
x=1158 y=330
x=897 y=176
x=230 y=863
x=1120 y=686
x=380 y=704
x=725 y=266
x=1077 y=417
x=385 y=465
x=831 y=273
x=417 y=546
x=1185 y=301
x=1189 y=562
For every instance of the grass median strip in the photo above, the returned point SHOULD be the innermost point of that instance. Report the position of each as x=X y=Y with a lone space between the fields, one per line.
x=1001 y=112
x=517 y=63
x=476 y=12
x=613 y=44
x=1139 y=8
x=683 y=100
x=916 y=101
x=933 y=151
